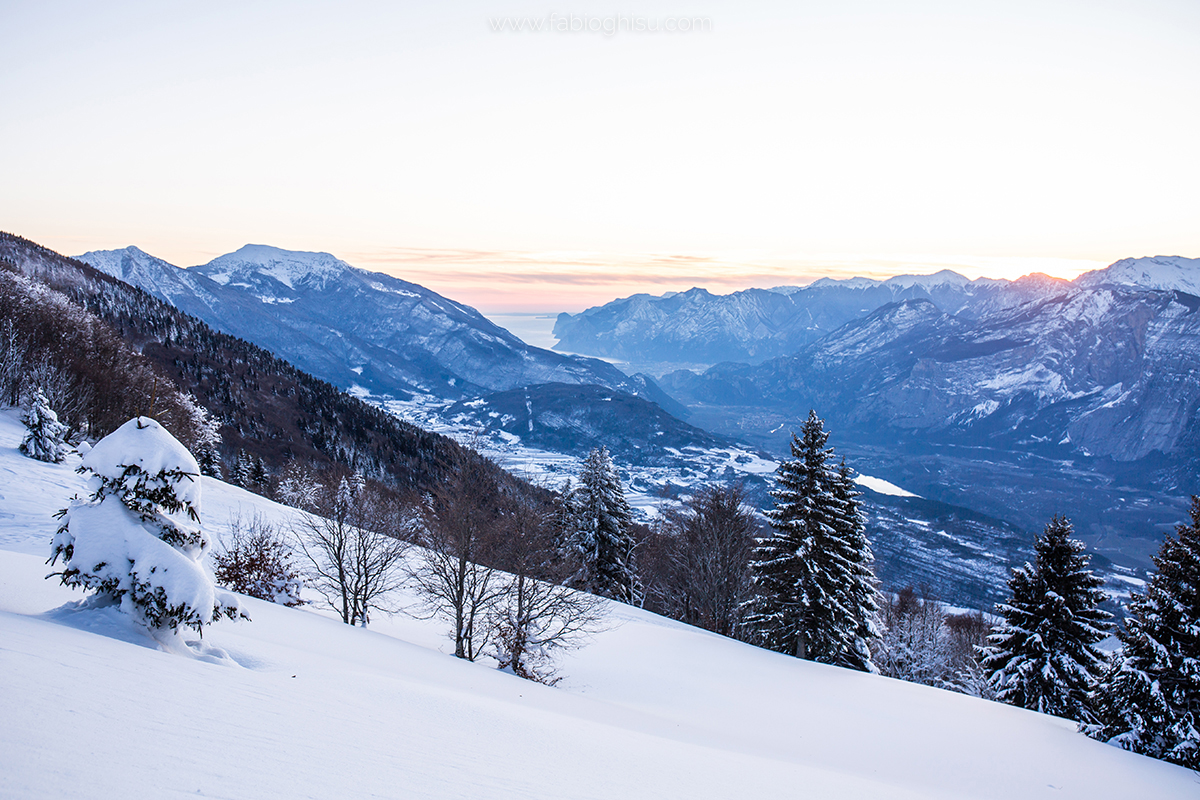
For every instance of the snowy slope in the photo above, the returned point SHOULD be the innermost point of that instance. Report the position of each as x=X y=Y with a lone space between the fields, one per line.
x=313 y=708
x=1151 y=272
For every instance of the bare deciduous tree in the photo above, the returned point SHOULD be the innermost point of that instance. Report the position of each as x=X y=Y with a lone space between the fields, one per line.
x=914 y=643
x=705 y=558
x=967 y=635
x=455 y=576
x=256 y=560
x=534 y=615
x=355 y=550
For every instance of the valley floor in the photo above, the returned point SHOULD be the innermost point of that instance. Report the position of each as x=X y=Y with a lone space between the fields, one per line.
x=297 y=705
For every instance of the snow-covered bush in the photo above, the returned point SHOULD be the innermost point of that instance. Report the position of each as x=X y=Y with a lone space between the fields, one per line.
x=44 y=439
x=914 y=643
x=136 y=540
x=258 y=561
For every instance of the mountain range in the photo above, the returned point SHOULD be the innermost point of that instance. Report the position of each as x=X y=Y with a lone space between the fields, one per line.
x=1102 y=366
x=699 y=328
x=1018 y=399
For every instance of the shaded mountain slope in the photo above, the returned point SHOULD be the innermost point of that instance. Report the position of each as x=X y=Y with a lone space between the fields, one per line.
x=354 y=327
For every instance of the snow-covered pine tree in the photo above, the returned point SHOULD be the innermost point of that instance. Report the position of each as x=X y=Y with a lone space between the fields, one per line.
x=1043 y=656
x=258 y=474
x=44 y=437
x=239 y=475
x=136 y=540
x=1149 y=699
x=597 y=539
x=206 y=435
x=858 y=579
x=814 y=588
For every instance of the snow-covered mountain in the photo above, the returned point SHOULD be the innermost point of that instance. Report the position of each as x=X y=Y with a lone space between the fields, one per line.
x=296 y=704
x=1086 y=402
x=700 y=328
x=1157 y=272
x=1105 y=371
x=355 y=327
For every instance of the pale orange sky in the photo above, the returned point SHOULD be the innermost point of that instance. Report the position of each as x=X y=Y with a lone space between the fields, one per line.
x=785 y=141
x=562 y=281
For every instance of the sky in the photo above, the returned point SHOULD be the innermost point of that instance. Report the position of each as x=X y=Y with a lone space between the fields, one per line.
x=767 y=144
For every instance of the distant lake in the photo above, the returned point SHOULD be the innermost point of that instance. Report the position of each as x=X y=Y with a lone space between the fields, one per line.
x=534 y=329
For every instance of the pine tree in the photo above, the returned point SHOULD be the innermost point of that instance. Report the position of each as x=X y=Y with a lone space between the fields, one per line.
x=44 y=438
x=137 y=541
x=1044 y=656
x=814 y=587
x=859 y=586
x=242 y=466
x=598 y=539
x=1149 y=699
x=258 y=474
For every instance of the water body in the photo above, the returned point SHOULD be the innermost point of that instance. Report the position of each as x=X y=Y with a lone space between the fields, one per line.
x=532 y=328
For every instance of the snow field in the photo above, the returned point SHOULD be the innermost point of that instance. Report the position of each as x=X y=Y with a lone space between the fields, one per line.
x=304 y=706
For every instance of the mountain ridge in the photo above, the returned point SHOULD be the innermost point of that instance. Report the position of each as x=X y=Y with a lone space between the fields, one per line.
x=356 y=327
x=754 y=325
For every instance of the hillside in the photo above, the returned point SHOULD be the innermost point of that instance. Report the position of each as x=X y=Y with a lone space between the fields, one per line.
x=266 y=406
x=304 y=706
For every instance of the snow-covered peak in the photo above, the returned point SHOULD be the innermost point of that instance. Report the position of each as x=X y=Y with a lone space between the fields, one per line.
x=941 y=278
x=1152 y=272
x=289 y=267
x=945 y=277
x=844 y=283
x=130 y=264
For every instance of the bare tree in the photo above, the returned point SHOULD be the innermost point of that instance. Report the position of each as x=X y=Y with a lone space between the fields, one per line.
x=705 y=558
x=534 y=615
x=455 y=577
x=355 y=549
x=966 y=637
x=13 y=356
x=256 y=560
